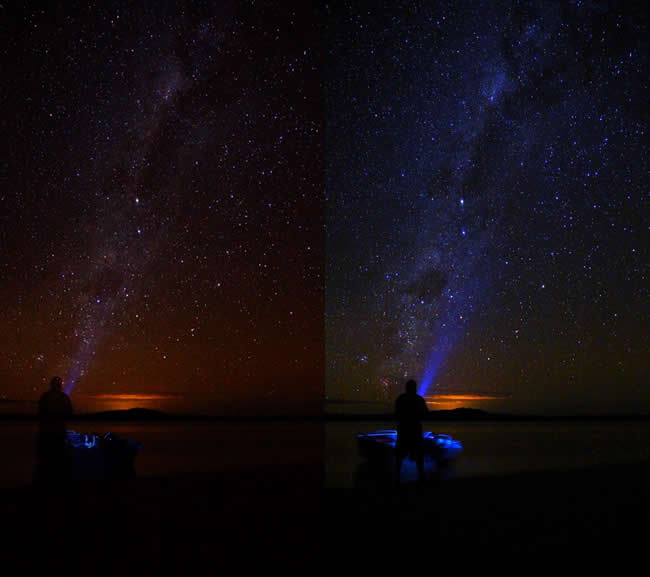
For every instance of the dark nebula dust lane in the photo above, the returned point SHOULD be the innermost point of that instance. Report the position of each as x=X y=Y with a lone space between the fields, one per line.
x=163 y=205
x=487 y=203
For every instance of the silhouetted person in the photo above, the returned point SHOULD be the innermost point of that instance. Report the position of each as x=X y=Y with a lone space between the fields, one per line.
x=410 y=408
x=54 y=408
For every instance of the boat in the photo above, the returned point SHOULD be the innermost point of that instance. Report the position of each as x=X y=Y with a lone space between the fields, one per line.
x=99 y=457
x=378 y=448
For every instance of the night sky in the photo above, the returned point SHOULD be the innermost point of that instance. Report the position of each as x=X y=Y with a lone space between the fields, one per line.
x=254 y=205
x=162 y=203
x=487 y=204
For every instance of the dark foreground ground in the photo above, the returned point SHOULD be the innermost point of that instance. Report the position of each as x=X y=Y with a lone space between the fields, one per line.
x=281 y=520
x=528 y=523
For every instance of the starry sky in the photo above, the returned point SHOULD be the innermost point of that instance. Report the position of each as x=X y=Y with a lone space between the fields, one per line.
x=487 y=222
x=250 y=206
x=162 y=203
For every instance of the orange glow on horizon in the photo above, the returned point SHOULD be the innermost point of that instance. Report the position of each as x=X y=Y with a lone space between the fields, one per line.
x=470 y=400
x=89 y=402
x=465 y=397
x=130 y=396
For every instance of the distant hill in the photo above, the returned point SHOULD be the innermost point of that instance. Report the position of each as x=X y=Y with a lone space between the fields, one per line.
x=126 y=415
x=459 y=414
x=467 y=414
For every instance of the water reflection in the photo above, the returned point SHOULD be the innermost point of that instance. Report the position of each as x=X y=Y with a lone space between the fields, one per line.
x=368 y=474
x=496 y=448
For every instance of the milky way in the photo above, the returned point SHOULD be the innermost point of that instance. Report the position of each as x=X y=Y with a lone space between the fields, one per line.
x=162 y=220
x=486 y=177
x=244 y=202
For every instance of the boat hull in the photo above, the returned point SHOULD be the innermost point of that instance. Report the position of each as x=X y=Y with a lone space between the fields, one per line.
x=95 y=457
x=378 y=450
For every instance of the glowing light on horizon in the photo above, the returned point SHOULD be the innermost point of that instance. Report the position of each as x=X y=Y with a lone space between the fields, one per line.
x=451 y=401
x=463 y=397
x=89 y=402
x=131 y=396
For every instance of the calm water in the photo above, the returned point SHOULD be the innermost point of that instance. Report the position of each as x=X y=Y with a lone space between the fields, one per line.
x=178 y=448
x=496 y=448
x=488 y=448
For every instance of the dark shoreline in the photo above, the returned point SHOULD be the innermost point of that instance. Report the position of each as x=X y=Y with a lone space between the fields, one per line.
x=460 y=414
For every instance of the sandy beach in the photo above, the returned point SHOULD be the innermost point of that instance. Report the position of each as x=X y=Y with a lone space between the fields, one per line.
x=281 y=518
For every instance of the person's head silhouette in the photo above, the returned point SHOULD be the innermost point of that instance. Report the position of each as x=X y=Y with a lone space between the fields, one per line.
x=411 y=387
x=56 y=384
